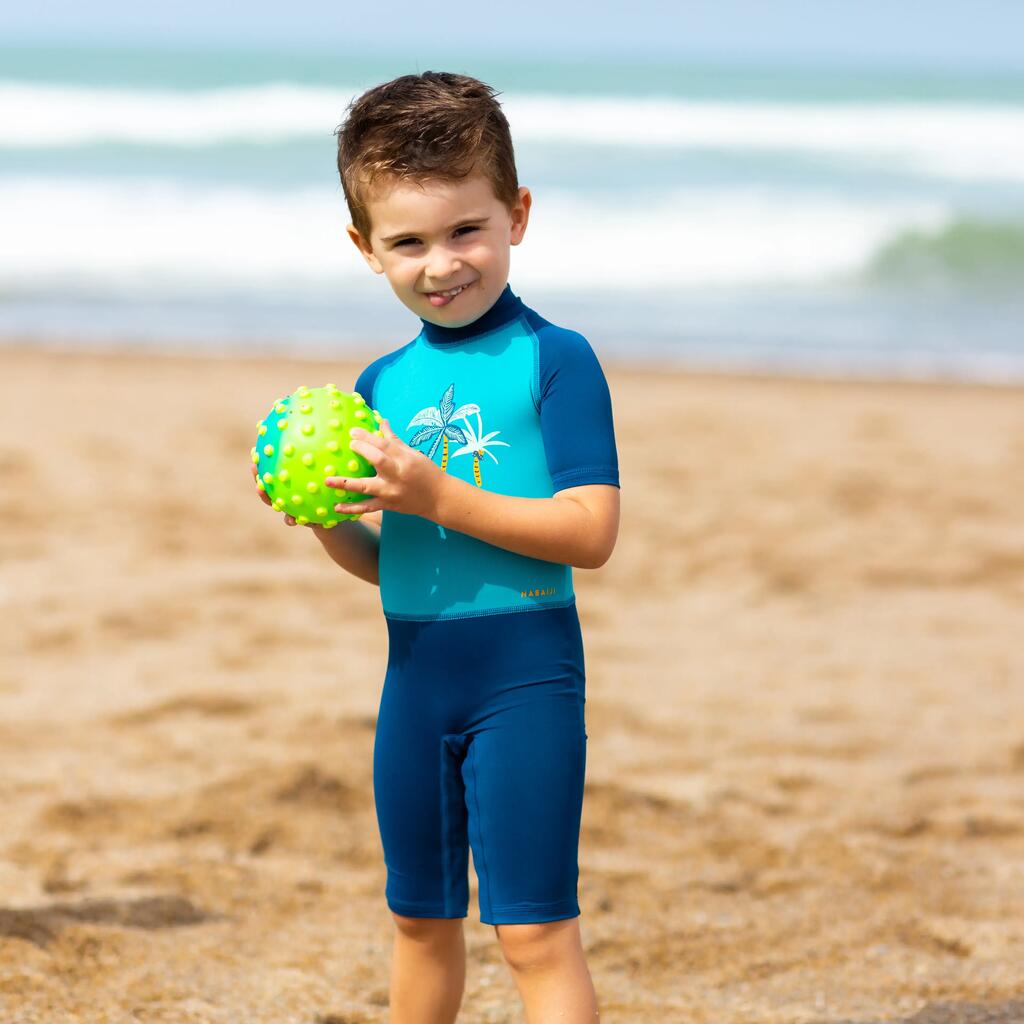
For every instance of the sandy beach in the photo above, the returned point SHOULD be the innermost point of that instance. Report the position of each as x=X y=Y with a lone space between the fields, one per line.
x=805 y=709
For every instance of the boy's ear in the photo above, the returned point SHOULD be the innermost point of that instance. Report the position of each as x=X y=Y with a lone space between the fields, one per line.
x=364 y=248
x=521 y=215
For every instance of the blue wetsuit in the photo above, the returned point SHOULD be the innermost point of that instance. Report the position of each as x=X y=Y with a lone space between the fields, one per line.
x=480 y=736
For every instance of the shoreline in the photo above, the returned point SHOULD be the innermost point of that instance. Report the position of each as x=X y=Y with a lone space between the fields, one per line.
x=647 y=368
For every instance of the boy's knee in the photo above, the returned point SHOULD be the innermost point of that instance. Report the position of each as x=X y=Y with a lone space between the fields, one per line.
x=530 y=946
x=428 y=929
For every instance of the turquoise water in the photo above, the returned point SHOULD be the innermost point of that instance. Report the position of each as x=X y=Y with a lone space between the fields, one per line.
x=196 y=71
x=803 y=219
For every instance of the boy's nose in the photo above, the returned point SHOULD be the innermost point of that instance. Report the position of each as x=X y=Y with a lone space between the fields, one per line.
x=442 y=266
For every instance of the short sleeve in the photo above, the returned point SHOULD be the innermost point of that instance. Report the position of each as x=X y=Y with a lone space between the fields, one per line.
x=575 y=410
x=364 y=384
x=367 y=380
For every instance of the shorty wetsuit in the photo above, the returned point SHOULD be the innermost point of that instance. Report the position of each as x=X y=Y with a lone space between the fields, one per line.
x=480 y=738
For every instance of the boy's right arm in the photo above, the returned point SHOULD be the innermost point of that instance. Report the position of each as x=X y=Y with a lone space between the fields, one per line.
x=354 y=543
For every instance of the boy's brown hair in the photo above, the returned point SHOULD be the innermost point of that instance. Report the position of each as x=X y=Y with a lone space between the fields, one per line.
x=432 y=126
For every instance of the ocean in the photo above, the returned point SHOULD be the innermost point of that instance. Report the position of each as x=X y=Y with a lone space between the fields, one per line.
x=843 y=221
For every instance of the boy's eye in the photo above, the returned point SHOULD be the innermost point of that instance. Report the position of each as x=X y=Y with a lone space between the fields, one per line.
x=404 y=240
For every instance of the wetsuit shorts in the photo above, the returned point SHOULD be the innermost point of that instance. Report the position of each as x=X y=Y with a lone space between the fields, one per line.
x=481 y=743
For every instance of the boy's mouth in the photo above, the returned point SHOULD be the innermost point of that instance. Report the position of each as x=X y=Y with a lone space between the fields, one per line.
x=443 y=298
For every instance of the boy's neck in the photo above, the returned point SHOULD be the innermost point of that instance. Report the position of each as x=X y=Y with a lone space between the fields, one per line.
x=506 y=308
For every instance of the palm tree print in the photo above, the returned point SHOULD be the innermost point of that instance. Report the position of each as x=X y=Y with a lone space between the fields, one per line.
x=436 y=426
x=478 y=443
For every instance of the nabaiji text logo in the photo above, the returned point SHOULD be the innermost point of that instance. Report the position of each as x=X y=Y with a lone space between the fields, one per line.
x=537 y=592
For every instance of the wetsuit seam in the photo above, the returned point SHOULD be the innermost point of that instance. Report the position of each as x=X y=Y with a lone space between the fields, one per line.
x=596 y=468
x=535 y=383
x=479 y=612
x=445 y=878
x=534 y=340
x=480 y=827
x=399 y=356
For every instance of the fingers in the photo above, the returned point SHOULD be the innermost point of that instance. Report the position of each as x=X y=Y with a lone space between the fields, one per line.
x=363 y=485
x=259 y=490
x=369 y=485
x=370 y=449
x=364 y=436
x=359 y=484
x=358 y=507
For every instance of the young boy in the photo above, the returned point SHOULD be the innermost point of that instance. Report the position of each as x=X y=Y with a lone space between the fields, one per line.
x=496 y=472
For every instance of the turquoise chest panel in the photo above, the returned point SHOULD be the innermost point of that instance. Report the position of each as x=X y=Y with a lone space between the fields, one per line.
x=471 y=407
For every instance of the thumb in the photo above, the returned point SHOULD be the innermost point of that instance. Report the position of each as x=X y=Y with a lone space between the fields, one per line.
x=387 y=431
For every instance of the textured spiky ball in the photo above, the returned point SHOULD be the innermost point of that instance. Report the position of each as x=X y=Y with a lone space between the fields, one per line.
x=305 y=439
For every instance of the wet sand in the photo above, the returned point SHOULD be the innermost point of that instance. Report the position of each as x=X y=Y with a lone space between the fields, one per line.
x=805 y=779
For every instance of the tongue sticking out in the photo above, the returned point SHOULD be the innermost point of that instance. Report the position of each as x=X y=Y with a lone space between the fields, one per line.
x=437 y=299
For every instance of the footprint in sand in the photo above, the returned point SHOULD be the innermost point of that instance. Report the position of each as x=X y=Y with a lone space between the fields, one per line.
x=207 y=705
x=41 y=925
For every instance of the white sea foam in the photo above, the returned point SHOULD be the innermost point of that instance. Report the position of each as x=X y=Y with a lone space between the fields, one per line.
x=950 y=140
x=162 y=237
x=938 y=139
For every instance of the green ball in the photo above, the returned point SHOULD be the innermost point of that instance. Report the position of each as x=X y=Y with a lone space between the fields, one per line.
x=305 y=439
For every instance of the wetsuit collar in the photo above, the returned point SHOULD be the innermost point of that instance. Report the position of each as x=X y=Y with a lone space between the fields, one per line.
x=505 y=309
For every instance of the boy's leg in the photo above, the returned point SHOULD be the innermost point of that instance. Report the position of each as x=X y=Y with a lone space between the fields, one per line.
x=428 y=970
x=550 y=971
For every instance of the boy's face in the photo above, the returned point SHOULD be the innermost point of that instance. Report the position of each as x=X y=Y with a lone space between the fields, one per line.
x=433 y=236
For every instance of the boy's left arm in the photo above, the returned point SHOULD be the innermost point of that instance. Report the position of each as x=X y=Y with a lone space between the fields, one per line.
x=577 y=526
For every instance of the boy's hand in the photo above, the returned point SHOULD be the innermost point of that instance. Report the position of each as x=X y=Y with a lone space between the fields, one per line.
x=406 y=481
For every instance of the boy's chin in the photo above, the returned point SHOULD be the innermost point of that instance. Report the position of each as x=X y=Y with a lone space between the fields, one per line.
x=454 y=322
